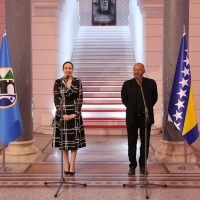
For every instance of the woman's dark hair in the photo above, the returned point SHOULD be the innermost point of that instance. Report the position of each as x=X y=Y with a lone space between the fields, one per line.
x=69 y=63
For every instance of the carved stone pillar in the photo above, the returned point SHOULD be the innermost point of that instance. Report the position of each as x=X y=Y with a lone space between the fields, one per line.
x=18 y=28
x=176 y=15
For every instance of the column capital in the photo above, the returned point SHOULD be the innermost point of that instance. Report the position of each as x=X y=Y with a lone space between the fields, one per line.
x=151 y=8
x=46 y=7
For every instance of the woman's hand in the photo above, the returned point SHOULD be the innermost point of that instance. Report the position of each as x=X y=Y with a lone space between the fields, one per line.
x=72 y=116
x=68 y=117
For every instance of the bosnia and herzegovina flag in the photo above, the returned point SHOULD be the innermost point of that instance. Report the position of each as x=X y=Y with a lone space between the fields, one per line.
x=10 y=119
x=181 y=104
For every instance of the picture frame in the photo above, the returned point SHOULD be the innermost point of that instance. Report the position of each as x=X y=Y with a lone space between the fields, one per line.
x=104 y=12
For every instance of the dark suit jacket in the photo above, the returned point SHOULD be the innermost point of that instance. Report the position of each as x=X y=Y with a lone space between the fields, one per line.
x=128 y=93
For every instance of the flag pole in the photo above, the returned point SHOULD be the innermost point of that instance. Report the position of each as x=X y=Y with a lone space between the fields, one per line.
x=4 y=168
x=185 y=166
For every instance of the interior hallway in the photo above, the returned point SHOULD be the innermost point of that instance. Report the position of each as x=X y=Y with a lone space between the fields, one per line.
x=103 y=166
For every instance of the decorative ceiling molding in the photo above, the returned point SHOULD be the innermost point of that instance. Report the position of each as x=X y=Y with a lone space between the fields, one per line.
x=46 y=7
x=151 y=8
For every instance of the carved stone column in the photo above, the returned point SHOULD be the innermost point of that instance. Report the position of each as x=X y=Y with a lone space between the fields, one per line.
x=176 y=15
x=18 y=26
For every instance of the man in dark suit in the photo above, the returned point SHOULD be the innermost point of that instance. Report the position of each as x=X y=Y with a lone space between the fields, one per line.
x=132 y=98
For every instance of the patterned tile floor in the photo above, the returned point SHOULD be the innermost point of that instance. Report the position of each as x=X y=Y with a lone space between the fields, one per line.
x=103 y=166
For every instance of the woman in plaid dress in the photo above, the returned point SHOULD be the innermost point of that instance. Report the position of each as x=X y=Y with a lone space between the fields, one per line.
x=68 y=95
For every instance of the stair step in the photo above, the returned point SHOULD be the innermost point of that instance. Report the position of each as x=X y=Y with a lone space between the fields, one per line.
x=104 y=107
x=84 y=72
x=104 y=122
x=103 y=88
x=103 y=41
x=108 y=115
x=105 y=57
x=109 y=66
x=106 y=34
x=111 y=35
x=105 y=126
x=103 y=119
x=104 y=61
x=105 y=78
x=102 y=50
x=102 y=83
x=112 y=70
x=101 y=101
x=106 y=54
x=102 y=110
x=104 y=47
x=101 y=94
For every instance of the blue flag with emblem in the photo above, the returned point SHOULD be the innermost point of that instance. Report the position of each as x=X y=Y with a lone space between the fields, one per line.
x=10 y=119
x=181 y=104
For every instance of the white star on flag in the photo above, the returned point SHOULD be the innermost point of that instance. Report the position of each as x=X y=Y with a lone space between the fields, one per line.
x=186 y=71
x=170 y=119
x=186 y=61
x=180 y=104
x=178 y=115
x=182 y=93
x=177 y=125
x=184 y=82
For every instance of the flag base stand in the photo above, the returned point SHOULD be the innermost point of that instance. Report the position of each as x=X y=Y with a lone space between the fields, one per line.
x=185 y=167
x=5 y=169
x=174 y=152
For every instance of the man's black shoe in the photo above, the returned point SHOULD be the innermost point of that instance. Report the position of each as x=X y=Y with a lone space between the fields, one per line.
x=131 y=171
x=142 y=171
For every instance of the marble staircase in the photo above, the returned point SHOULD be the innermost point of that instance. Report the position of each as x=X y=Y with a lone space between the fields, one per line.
x=103 y=58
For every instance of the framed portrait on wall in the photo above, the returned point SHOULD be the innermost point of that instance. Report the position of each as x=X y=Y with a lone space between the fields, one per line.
x=103 y=12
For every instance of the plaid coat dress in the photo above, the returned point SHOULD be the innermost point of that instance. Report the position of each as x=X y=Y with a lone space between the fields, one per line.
x=71 y=101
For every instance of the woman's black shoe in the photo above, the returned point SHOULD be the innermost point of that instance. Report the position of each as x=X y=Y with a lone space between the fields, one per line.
x=66 y=172
x=71 y=173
